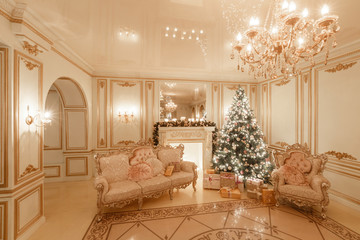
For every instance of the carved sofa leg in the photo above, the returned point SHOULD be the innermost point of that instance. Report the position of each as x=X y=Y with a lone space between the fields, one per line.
x=140 y=203
x=171 y=191
x=323 y=211
x=194 y=185
x=99 y=215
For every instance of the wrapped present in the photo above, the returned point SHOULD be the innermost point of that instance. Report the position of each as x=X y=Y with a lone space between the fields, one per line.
x=211 y=181
x=252 y=194
x=258 y=195
x=253 y=184
x=268 y=196
x=239 y=181
x=263 y=186
x=227 y=179
x=210 y=171
x=227 y=192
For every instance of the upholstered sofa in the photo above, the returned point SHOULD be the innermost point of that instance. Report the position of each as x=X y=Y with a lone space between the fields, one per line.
x=298 y=178
x=136 y=171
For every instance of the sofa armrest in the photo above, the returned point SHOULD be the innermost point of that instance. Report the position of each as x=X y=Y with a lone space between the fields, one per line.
x=319 y=183
x=278 y=178
x=102 y=186
x=187 y=166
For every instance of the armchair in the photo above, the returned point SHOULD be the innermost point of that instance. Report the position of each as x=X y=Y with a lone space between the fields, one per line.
x=298 y=178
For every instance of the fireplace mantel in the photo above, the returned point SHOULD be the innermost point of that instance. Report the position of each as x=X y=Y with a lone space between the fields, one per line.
x=202 y=135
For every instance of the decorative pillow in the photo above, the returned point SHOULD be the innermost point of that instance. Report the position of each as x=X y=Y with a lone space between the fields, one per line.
x=293 y=176
x=156 y=165
x=168 y=156
x=141 y=171
x=176 y=166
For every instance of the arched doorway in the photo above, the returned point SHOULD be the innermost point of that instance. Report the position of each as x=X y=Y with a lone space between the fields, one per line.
x=66 y=155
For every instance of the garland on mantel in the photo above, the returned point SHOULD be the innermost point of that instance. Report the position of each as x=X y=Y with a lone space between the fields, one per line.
x=185 y=123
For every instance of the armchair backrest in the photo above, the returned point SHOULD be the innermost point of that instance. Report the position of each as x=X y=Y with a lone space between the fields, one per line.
x=300 y=157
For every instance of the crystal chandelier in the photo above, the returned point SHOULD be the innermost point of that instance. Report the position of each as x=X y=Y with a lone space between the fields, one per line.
x=288 y=37
x=170 y=106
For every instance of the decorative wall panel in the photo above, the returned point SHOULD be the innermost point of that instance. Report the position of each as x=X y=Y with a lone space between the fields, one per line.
x=101 y=113
x=337 y=101
x=282 y=112
x=215 y=103
x=73 y=97
x=52 y=171
x=27 y=138
x=265 y=110
x=305 y=108
x=253 y=96
x=126 y=96
x=76 y=129
x=149 y=108
x=53 y=131
x=3 y=220
x=3 y=117
x=76 y=166
x=28 y=209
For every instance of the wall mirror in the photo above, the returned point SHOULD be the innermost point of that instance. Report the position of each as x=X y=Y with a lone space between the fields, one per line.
x=182 y=101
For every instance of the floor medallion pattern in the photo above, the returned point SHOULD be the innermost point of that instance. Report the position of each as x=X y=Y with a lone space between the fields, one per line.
x=237 y=219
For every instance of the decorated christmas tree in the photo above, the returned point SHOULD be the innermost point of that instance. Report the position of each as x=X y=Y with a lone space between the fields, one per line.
x=240 y=146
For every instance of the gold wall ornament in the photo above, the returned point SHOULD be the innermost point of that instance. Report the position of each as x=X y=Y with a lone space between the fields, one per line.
x=29 y=65
x=282 y=144
x=32 y=49
x=215 y=88
x=102 y=142
x=29 y=169
x=126 y=84
x=127 y=142
x=233 y=87
x=283 y=82
x=102 y=84
x=340 y=67
x=340 y=155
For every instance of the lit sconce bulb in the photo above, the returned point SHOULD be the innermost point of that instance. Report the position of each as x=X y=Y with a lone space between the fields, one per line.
x=197 y=38
x=189 y=37
x=193 y=31
x=182 y=37
x=127 y=33
x=239 y=37
x=166 y=34
x=292 y=6
x=184 y=33
x=174 y=35
x=248 y=48
x=231 y=44
x=325 y=10
x=301 y=41
x=285 y=5
x=120 y=33
x=274 y=30
x=175 y=29
x=254 y=21
x=47 y=114
x=305 y=13
x=201 y=31
x=133 y=34
x=167 y=28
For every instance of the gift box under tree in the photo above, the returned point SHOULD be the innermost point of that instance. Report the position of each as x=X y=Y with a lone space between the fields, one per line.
x=211 y=181
x=227 y=179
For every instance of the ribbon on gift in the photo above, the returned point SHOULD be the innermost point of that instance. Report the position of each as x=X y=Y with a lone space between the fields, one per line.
x=227 y=176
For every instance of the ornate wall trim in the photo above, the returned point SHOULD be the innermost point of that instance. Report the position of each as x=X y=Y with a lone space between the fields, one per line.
x=18 y=178
x=340 y=67
x=4 y=220
x=69 y=172
x=101 y=138
x=4 y=58
x=58 y=171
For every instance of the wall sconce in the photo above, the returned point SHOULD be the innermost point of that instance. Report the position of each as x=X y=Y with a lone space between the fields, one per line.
x=37 y=119
x=126 y=118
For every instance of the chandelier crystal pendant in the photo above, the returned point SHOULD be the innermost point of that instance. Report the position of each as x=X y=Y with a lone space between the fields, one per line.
x=170 y=106
x=288 y=37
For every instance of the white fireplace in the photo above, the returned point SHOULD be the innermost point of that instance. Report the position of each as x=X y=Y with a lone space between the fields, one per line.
x=197 y=142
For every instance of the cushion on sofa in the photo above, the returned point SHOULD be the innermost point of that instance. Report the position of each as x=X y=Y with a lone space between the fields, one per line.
x=115 y=168
x=176 y=165
x=122 y=190
x=167 y=156
x=180 y=178
x=293 y=176
x=156 y=165
x=305 y=192
x=154 y=184
x=140 y=154
x=141 y=171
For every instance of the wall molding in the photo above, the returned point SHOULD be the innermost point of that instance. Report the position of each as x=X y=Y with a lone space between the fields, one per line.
x=101 y=85
x=4 y=220
x=78 y=158
x=4 y=101
x=17 y=175
x=67 y=133
x=58 y=171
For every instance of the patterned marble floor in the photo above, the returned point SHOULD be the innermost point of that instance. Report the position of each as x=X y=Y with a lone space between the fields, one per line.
x=241 y=219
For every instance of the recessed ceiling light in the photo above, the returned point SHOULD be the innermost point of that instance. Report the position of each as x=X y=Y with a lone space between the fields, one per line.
x=166 y=35
x=197 y=38
x=184 y=33
x=193 y=31
x=175 y=29
x=189 y=37
x=174 y=35
x=167 y=28
x=201 y=31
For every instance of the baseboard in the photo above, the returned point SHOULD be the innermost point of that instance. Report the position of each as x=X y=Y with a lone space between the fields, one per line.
x=26 y=235
x=344 y=199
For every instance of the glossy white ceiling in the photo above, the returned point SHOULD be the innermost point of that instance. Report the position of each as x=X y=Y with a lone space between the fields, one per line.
x=91 y=28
